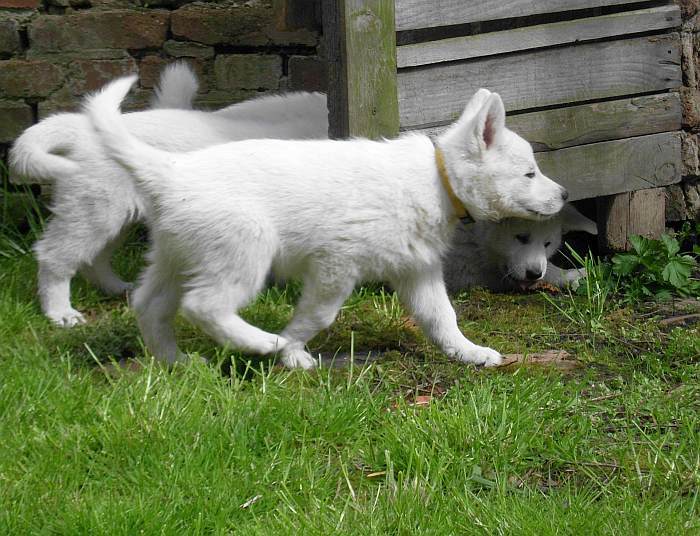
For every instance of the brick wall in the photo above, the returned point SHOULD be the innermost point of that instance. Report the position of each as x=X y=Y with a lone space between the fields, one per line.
x=54 y=51
x=683 y=200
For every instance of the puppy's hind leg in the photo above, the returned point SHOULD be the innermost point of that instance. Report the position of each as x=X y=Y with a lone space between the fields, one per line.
x=100 y=272
x=424 y=294
x=155 y=302
x=322 y=296
x=212 y=304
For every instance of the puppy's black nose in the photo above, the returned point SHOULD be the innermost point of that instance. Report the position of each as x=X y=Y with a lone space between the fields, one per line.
x=564 y=194
x=532 y=275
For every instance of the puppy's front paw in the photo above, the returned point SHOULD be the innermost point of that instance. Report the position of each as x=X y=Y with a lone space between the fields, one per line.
x=480 y=356
x=67 y=318
x=573 y=277
x=297 y=357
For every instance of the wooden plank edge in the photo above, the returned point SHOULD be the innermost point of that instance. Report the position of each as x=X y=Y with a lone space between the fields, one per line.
x=419 y=14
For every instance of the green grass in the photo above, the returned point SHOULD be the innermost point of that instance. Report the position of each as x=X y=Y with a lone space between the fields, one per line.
x=611 y=447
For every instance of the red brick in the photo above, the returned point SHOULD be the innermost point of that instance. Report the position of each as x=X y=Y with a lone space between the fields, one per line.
x=307 y=73
x=128 y=29
x=89 y=75
x=20 y=78
x=237 y=23
x=149 y=70
x=20 y=4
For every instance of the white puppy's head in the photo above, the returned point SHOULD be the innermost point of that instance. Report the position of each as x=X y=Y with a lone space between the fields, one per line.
x=493 y=170
x=520 y=248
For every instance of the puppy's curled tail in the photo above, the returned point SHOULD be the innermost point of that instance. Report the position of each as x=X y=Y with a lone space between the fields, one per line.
x=149 y=166
x=34 y=153
x=177 y=87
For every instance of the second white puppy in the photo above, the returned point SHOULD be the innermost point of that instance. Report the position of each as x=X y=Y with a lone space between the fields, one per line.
x=331 y=213
x=93 y=199
x=513 y=254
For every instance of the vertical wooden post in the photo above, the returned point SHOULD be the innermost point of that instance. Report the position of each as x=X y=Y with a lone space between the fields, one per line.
x=642 y=212
x=361 y=49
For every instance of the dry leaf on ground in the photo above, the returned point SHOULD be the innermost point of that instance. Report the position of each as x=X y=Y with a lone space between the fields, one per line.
x=560 y=359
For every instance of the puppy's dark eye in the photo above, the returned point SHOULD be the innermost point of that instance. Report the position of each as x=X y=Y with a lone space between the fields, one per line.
x=547 y=244
x=530 y=175
x=523 y=238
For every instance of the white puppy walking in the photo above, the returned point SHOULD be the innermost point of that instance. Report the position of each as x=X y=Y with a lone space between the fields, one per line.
x=93 y=198
x=331 y=213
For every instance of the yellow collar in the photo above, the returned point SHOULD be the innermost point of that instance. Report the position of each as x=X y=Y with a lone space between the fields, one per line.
x=460 y=210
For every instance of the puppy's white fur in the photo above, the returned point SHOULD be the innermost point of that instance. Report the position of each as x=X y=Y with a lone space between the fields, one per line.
x=331 y=213
x=512 y=254
x=93 y=199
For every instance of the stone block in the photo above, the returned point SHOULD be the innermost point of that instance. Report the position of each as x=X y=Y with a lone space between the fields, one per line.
x=126 y=29
x=688 y=7
x=307 y=73
x=61 y=100
x=675 y=203
x=28 y=78
x=691 y=188
x=16 y=116
x=689 y=149
x=9 y=36
x=89 y=75
x=690 y=103
x=688 y=60
x=248 y=71
x=185 y=49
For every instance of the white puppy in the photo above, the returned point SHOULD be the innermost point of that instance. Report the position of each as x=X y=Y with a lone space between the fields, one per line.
x=331 y=213
x=513 y=254
x=93 y=199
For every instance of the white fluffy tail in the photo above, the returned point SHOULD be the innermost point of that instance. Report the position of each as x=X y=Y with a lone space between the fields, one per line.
x=177 y=87
x=149 y=166
x=36 y=153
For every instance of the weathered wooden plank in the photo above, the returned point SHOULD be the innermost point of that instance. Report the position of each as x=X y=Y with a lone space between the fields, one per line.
x=632 y=213
x=435 y=94
x=539 y=36
x=415 y=14
x=614 y=167
x=600 y=121
x=361 y=42
x=589 y=123
x=647 y=213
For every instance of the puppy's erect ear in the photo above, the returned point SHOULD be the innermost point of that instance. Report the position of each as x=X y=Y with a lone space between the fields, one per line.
x=479 y=126
x=475 y=104
x=573 y=220
x=489 y=122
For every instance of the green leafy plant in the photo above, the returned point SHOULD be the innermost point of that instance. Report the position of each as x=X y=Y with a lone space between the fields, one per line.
x=657 y=269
